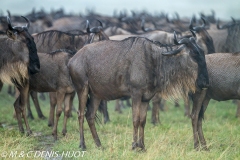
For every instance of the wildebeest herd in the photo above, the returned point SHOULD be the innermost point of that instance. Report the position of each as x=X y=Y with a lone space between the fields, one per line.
x=139 y=56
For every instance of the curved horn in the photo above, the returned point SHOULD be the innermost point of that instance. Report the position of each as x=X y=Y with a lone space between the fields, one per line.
x=224 y=26
x=9 y=23
x=87 y=26
x=204 y=22
x=182 y=41
x=142 y=24
x=9 y=14
x=175 y=38
x=234 y=21
x=191 y=24
x=100 y=23
x=171 y=53
x=194 y=35
x=28 y=22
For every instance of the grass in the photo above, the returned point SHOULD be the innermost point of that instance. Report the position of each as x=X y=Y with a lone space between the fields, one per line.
x=172 y=139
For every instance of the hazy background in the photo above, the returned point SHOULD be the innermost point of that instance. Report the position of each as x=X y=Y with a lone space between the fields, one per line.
x=224 y=9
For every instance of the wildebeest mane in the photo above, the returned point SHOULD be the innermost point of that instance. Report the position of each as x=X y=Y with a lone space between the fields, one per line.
x=168 y=71
x=33 y=58
x=159 y=44
x=56 y=52
x=172 y=70
x=55 y=33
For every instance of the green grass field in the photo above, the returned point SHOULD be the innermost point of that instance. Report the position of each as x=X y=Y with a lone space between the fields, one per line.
x=171 y=140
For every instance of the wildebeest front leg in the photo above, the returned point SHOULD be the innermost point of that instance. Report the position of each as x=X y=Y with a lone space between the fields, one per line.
x=198 y=98
x=156 y=102
x=90 y=116
x=53 y=103
x=36 y=104
x=143 y=115
x=18 y=112
x=201 y=116
x=60 y=98
x=20 y=108
x=187 y=106
x=117 y=106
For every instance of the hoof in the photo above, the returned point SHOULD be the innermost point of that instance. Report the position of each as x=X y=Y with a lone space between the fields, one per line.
x=29 y=133
x=205 y=148
x=134 y=145
x=50 y=124
x=42 y=117
x=64 y=131
x=30 y=117
x=83 y=147
x=138 y=147
x=55 y=137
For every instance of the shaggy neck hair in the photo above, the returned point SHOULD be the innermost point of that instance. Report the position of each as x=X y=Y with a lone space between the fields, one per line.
x=176 y=75
x=13 y=67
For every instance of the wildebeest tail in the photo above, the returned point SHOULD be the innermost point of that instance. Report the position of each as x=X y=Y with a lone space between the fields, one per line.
x=97 y=118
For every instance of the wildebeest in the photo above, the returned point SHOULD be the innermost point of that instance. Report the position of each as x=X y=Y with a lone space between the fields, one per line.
x=54 y=77
x=52 y=40
x=136 y=68
x=231 y=45
x=224 y=84
x=19 y=60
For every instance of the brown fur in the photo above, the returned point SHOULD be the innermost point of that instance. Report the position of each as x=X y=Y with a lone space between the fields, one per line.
x=134 y=67
x=223 y=85
x=18 y=60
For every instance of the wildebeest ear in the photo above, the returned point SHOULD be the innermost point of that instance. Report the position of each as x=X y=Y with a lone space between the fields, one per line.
x=11 y=34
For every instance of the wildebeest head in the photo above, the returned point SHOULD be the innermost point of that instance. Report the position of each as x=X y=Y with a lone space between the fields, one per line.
x=190 y=46
x=228 y=25
x=204 y=40
x=96 y=31
x=21 y=33
x=232 y=40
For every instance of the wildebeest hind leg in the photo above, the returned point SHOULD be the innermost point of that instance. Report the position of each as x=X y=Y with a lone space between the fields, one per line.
x=136 y=102
x=82 y=100
x=67 y=111
x=90 y=116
